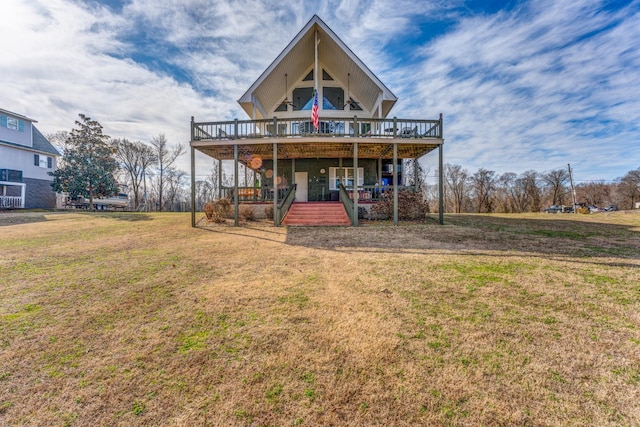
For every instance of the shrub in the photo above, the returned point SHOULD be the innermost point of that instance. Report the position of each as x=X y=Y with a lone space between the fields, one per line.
x=245 y=212
x=217 y=211
x=268 y=211
x=411 y=206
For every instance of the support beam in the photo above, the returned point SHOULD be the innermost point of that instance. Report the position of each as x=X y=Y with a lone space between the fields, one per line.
x=219 y=178
x=276 y=211
x=193 y=179
x=355 y=183
x=395 y=181
x=440 y=187
x=235 y=185
x=193 y=187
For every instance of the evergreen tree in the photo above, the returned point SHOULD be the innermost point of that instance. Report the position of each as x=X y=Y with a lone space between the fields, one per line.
x=89 y=163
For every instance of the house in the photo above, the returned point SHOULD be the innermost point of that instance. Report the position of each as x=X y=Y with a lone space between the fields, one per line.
x=26 y=158
x=349 y=156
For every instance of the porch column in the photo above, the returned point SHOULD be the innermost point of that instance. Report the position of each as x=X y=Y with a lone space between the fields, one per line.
x=193 y=186
x=276 y=213
x=219 y=178
x=440 y=187
x=193 y=179
x=440 y=176
x=355 y=183
x=235 y=184
x=379 y=180
x=395 y=181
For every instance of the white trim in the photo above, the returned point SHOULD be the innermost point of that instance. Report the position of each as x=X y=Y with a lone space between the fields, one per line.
x=7 y=199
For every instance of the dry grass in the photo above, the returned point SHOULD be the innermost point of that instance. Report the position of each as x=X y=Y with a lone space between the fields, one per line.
x=136 y=319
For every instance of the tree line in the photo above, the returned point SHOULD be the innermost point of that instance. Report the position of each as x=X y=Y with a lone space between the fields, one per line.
x=94 y=165
x=530 y=191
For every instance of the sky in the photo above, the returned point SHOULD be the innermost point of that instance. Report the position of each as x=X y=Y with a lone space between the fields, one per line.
x=522 y=85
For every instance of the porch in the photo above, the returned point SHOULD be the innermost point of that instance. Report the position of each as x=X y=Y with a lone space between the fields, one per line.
x=343 y=151
x=12 y=195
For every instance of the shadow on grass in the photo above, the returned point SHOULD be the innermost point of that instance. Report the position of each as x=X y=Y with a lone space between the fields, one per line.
x=120 y=216
x=17 y=218
x=517 y=236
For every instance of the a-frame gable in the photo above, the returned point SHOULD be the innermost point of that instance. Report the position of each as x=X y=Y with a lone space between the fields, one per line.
x=268 y=91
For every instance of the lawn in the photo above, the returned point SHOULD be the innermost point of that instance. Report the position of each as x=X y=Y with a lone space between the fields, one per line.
x=138 y=319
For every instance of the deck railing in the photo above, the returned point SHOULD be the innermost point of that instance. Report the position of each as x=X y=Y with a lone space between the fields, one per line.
x=11 y=202
x=329 y=127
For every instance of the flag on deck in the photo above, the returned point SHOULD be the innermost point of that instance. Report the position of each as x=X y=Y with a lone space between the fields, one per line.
x=314 y=112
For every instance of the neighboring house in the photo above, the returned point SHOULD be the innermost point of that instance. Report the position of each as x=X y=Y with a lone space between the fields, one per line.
x=346 y=155
x=26 y=157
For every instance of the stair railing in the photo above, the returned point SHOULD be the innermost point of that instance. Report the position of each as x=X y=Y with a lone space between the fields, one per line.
x=286 y=203
x=347 y=203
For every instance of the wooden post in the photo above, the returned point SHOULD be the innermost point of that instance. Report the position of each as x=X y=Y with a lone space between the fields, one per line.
x=395 y=180
x=440 y=177
x=193 y=179
x=235 y=184
x=276 y=213
x=355 y=183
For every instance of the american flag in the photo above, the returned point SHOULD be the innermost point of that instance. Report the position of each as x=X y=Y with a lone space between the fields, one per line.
x=314 y=112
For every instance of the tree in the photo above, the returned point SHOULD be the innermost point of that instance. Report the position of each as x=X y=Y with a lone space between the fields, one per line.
x=556 y=181
x=135 y=159
x=58 y=140
x=483 y=185
x=164 y=159
x=455 y=183
x=89 y=166
x=595 y=193
x=174 y=181
x=629 y=189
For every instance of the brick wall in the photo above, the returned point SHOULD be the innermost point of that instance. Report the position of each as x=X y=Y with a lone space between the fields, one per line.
x=39 y=194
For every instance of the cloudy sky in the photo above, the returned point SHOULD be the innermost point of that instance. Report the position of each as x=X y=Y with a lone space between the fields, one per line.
x=521 y=84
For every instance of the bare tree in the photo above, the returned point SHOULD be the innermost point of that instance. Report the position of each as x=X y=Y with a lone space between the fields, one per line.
x=556 y=182
x=628 y=189
x=59 y=140
x=483 y=186
x=595 y=193
x=135 y=158
x=174 y=181
x=456 y=185
x=164 y=160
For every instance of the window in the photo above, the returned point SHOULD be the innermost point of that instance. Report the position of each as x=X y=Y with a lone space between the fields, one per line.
x=325 y=75
x=346 y=176
x=302 y=98
x=308 y=77
x=12 y=123
x=45 y=162
x=332 y=98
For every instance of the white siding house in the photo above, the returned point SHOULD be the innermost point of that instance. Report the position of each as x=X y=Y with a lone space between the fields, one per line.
x=26 y=157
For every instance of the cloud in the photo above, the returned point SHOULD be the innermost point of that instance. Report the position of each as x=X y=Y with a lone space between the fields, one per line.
x=532 y=87
x=541 y=86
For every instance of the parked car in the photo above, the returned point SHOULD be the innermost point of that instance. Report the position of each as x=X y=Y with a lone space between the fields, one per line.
x=553 y=209
x=610 y=208
x=593 y=209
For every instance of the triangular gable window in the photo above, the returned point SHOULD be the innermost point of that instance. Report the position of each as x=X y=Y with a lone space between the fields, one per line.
x=308 y=77
x=325 y=75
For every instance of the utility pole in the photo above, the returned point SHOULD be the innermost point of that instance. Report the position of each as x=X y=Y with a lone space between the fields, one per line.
x=573 y=189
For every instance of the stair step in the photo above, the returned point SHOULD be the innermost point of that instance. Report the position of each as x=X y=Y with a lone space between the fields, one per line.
x=316 y=214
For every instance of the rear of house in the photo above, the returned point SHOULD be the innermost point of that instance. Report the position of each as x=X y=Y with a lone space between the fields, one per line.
x=26 y=158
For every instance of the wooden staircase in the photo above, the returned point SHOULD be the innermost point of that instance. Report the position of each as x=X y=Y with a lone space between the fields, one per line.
x=317 y=214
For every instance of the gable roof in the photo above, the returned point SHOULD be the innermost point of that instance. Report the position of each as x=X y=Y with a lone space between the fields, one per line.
x=41 y=143
x=16 y=115
x=296 y=59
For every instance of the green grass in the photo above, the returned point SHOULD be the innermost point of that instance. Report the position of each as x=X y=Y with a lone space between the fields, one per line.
x=138 y=319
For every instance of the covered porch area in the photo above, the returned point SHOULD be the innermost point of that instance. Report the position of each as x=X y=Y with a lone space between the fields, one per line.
x=350 y=161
